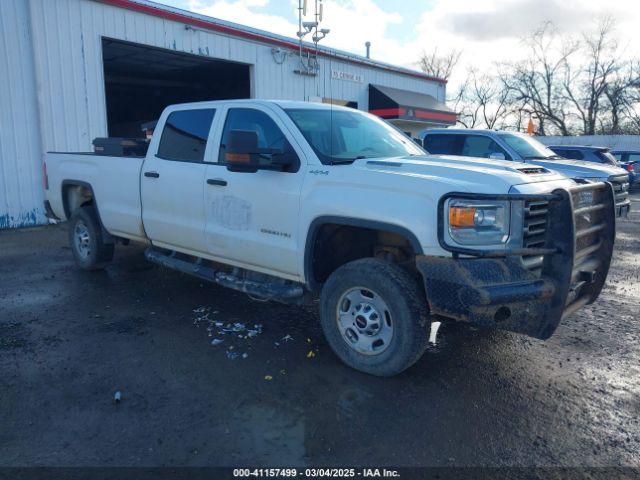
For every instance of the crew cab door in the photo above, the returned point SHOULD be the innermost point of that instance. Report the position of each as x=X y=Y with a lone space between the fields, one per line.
x=173 y=181
x=252 y=218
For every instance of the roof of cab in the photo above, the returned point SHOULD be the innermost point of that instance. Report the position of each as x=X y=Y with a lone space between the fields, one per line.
x=464 y=130
x=579 y=147
x=281 y=103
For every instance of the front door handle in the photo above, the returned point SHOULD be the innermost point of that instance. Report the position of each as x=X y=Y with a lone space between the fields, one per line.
x=152 y=174
x=217 y=181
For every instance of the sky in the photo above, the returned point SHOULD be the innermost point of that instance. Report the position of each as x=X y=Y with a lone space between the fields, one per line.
x=485 y=31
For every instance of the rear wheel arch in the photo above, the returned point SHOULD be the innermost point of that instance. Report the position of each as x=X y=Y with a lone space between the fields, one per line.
x=322 y=229
x=77 y=194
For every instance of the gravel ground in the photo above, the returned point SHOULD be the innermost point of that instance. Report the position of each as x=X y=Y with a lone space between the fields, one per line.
x=70 y=339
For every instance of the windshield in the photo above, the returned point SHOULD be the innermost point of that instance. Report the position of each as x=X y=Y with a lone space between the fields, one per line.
x=528 y=147
x=339 y=136
x=607 y=157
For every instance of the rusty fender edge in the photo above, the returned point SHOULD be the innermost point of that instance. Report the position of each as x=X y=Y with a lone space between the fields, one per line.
x=492 y=292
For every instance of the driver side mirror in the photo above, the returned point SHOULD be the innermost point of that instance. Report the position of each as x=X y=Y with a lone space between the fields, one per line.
x=497 y=156
x=241 y=151
x=242 y=154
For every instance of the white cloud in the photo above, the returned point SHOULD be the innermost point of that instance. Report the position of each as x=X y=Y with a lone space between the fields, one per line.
x=242 y=12
x=352 y=22
x=486 y=31
x=492 y=30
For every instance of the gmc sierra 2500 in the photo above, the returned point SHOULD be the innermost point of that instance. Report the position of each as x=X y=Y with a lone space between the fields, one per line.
x=291 y=200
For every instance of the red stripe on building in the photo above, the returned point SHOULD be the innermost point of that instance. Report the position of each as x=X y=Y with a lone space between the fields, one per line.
x=388 y=112
x=439 y=116
x=209 y=25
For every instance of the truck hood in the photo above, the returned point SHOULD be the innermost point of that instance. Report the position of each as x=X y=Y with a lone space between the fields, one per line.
x=479 y=175
x=579 y=168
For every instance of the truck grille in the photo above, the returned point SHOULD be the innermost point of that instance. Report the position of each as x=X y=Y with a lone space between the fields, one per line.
x=536 y=214
x=620 y=185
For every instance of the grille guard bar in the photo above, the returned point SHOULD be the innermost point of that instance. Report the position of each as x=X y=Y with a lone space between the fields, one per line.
x=501 y=292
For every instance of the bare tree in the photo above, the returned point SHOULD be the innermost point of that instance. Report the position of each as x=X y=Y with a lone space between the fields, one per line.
x=459 y=102
x=568 y=85
x=493 y=100
x=586 y=87
x=439 y=65
x=537 y=82
x=623 y=101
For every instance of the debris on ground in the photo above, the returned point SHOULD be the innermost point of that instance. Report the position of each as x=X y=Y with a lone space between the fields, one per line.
x=237 y=334
x=311 y=354
x=268 y=377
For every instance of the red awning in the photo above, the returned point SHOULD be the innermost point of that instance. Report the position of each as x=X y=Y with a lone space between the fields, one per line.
x=394 y=103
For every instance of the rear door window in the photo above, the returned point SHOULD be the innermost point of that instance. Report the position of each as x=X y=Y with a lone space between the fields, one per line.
x=184 y=136
x=571 y=154
x=443 y=144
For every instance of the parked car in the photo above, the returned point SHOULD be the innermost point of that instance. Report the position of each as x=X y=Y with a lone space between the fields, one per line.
x=586 y=153
x=501 y=145
x=290 y=201
x=630 y=161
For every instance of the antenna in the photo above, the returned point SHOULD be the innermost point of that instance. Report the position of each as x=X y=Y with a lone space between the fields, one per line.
x=308 y=61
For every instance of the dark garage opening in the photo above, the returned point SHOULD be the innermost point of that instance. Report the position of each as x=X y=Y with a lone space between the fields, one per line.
x=140 y=81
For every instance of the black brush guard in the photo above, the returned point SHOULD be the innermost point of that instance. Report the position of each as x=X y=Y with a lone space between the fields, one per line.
x=496 y=289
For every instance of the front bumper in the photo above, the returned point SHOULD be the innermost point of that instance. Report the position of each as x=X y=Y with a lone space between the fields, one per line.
x=622 y=209
x=503 y=292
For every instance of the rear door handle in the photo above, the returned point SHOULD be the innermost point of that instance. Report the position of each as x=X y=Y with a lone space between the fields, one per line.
x=152 y=174
x=217 y=181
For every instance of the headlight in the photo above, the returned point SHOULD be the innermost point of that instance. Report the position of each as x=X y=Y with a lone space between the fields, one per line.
x=477 y=222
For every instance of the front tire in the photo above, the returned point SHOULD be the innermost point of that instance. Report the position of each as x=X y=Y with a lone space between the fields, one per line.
x=85 y=238
x=374 y=315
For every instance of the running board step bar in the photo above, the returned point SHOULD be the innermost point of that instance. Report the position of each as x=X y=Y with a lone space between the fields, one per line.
x=272 y=290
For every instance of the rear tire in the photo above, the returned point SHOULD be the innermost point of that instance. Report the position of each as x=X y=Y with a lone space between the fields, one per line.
x=86 y=242
x=375 y=317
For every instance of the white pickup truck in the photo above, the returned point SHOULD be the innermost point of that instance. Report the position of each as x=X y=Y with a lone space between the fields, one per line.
x=291 y=200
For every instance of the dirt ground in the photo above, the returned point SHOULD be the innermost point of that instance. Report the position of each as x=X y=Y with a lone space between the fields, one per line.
x=70 y=339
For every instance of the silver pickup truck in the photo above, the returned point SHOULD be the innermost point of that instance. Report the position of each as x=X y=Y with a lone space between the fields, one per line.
x=521 y=148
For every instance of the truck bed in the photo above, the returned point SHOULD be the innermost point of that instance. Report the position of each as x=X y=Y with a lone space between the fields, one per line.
x=114 y=180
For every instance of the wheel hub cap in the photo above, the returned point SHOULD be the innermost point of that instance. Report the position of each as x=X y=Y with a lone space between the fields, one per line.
x=364 y=320
x=82 y=239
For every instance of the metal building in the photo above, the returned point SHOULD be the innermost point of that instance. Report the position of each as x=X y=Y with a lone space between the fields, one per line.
x=74 y=70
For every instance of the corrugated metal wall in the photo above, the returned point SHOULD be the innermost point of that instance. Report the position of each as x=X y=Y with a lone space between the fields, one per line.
x=65 y=50
x=21 y=194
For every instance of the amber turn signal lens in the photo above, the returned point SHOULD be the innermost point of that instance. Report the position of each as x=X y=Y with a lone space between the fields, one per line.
x=237 y=158
x=461 y=217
